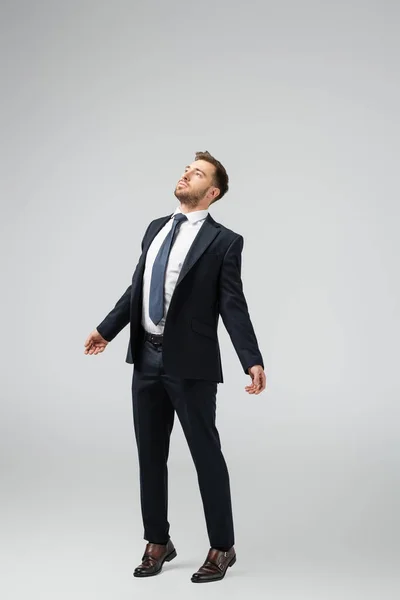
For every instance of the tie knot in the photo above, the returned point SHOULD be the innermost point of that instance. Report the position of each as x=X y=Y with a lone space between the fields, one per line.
x=179 y=217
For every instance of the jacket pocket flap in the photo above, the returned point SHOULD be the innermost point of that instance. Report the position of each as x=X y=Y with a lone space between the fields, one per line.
x=204 y=329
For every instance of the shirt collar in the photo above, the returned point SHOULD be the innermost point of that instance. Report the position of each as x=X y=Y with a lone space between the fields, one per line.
x=194 y=216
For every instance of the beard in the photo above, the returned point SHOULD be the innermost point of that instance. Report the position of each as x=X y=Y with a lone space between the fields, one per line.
x=189 y=197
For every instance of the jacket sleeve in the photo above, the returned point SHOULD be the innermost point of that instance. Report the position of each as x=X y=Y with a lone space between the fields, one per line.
x=116 y=320
x=119 y=316
x=233 y=308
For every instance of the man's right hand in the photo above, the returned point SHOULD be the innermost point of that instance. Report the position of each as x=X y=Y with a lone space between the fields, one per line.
x=95 y=343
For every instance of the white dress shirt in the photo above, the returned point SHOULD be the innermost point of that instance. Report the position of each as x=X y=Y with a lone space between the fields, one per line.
x=184 y=239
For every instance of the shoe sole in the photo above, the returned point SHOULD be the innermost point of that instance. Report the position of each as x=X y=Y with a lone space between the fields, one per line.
x=168 y=558
x=215 y=578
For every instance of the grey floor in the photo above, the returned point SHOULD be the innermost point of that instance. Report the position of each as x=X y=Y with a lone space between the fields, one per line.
x=83 y=563
x=79 y=536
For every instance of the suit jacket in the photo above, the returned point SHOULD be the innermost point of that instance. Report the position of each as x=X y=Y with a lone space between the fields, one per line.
x=209 y=285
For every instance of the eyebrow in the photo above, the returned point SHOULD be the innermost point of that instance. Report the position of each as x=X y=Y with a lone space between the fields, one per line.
x=196 y=169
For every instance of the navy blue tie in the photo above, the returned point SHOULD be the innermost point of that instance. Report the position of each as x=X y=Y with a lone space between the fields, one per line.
x=156 y=307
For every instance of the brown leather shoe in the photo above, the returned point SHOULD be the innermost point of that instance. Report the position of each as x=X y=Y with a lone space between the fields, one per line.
x=215 y=565
x=153 y=559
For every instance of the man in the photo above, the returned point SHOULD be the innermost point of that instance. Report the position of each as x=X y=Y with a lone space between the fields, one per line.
x=187 y=275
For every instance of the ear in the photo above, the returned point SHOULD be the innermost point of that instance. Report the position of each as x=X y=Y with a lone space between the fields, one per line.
x=216 y=193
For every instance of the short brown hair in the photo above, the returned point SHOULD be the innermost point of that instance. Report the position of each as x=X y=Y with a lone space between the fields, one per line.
x=221 y=179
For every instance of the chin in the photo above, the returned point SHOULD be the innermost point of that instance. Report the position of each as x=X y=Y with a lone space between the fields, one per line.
x=180 y=194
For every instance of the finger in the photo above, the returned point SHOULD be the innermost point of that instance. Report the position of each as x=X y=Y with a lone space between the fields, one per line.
x=259 y=381
x=264 y=381
x=260 y=388
x=87 y=342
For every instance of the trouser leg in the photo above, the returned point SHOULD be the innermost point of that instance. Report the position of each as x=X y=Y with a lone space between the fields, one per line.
x=195 y=405
x=153 y=416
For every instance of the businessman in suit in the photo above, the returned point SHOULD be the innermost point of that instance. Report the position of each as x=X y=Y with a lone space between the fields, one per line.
x=188 y=274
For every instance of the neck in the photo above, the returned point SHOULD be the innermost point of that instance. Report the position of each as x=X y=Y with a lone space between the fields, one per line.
x=188 y=209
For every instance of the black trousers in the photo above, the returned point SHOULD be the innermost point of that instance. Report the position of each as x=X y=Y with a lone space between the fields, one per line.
x=156 y=396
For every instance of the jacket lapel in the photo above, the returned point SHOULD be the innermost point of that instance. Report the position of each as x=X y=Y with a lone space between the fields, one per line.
x=139 y=271
x=158 y=228
x=208 y=231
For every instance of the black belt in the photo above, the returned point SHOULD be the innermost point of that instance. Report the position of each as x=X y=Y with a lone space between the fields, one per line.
x=154 y=338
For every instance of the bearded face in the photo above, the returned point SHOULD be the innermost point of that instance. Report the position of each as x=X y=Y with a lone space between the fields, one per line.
x=190 y=197
x=195 y=182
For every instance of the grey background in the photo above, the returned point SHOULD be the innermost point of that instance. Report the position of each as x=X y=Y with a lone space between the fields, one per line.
x=103 y=104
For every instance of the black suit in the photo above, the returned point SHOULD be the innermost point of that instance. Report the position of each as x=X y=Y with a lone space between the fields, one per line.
x=183 y=374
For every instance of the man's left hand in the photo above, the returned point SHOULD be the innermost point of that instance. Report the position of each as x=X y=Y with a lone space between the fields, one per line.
x=259 y=380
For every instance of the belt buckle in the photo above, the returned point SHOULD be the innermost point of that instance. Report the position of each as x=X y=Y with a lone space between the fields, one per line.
x=154 y=339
